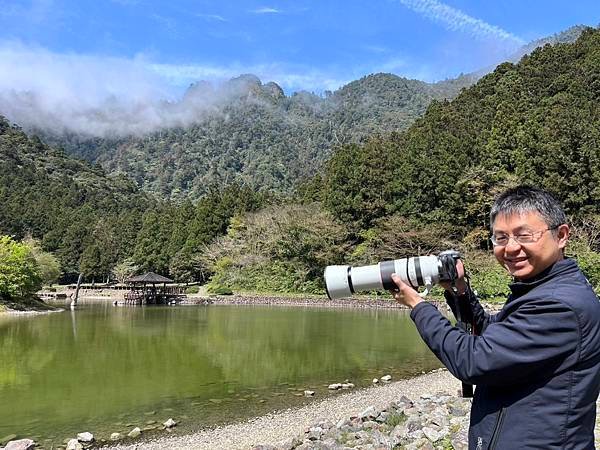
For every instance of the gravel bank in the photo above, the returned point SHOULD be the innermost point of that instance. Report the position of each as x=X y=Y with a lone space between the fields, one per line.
x=279 y=426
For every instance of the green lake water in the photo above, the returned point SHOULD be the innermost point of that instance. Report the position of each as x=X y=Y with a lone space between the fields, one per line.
x=107 y=369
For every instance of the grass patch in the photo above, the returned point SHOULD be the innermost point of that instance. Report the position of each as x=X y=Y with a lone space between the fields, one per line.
x=395 y=419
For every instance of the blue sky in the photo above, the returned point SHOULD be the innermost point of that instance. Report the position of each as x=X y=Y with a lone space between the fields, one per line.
x=146 y=47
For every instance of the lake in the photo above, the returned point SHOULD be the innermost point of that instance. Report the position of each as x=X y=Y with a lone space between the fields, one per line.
x=106 y=369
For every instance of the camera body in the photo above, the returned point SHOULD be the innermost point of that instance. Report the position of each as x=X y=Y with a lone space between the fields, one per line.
x=418 y=271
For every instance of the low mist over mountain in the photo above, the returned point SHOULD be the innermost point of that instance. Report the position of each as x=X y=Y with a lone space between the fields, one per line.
x=253 y=133
x=241 y=130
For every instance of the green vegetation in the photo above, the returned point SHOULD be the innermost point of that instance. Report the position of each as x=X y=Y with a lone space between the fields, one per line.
x=259 y=137
x=24 y=267
x=395 y=419
x=278 y=249
x=19 y=272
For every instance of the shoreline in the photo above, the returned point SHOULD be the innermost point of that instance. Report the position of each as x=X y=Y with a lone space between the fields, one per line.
x=318 y=302
x=280 y=426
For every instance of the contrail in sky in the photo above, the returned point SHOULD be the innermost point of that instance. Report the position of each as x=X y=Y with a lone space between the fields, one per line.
x=457 y=20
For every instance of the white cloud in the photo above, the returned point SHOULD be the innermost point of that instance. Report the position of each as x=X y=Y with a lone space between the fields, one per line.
x=212 y=17
x=101 y=96
x=266 y=10
x=291 y=78
x=457 y=20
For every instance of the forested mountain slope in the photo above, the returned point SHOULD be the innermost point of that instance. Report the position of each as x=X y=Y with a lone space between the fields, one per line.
x=430 y=187
x=534 y=122
x=249 y=132
x=67 y=202
x=259 y=136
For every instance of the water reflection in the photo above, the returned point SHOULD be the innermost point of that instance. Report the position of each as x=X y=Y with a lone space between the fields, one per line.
x=84 y=368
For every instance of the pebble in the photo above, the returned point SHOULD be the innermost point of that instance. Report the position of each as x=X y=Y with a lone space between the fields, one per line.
x=85 y=437
x=170 y=423
x=135 y=432
x=74 y=444
x=20 y=444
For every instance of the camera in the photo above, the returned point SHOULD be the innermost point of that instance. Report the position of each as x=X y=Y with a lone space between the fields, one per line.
x=418 y=271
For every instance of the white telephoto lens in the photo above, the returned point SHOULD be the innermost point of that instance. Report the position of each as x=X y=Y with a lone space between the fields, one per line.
x=337 y=282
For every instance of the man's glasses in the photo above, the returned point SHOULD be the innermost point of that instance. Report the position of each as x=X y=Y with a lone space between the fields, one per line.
x=501 y=240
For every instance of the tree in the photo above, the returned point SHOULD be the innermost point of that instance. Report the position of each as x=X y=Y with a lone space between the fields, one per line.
x=48 y=265
x=19 y=272
x=124 y=270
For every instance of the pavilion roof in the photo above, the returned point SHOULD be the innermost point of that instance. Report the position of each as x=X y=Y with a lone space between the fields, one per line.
x=149 y=278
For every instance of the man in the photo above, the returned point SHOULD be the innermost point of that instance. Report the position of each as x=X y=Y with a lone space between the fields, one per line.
x=536 y=363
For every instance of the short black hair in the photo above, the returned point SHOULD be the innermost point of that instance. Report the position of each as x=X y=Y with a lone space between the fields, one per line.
x=522 y=199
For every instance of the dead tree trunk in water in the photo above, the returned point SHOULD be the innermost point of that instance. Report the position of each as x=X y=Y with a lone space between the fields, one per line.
x=74 y=301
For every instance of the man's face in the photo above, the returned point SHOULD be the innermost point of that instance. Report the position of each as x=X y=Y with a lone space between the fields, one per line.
x=524 y=261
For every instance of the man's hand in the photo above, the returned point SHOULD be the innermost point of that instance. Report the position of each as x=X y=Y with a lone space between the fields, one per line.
x=405 y=294
x=460 y=284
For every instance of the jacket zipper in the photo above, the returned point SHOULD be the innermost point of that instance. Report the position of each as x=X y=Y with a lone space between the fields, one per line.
x=497 y=428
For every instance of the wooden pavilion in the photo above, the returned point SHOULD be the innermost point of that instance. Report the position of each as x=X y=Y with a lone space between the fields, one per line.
x=151 y=289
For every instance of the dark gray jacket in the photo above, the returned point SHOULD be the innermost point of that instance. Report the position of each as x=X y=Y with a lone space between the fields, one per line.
x=536 y=363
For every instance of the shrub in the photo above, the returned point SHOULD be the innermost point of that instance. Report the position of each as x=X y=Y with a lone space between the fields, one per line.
x=19 y=272
x=283 y=249
x=488 y=278
x=192 y=290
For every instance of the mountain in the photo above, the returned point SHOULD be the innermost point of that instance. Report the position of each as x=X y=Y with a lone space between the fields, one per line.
x=256 y=135
x=67 y=202
x=534 y=122
x=244 y=131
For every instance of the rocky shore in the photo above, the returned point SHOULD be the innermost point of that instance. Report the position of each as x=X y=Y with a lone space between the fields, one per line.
x=374 y=412
x=424 y=412
x=317 y=302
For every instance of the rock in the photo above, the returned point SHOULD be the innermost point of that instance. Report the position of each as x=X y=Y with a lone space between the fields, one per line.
x=420 y=444
x=347 y=385
x=341 y=423
x=399 y=431
x=458 y=410
x=314 y=433
x=375 y=380
x=20 y=444
x=369 y=424
x=74 y=444
x=334 y=386
x=289 y=444
x=434 y=435
x=386 y=378
x=460 y=439
x=382 y=417
x=309 y=393
x=170 y=423
x=368 y=413
x=85 y=437
x=135 y=432
x=116 y=436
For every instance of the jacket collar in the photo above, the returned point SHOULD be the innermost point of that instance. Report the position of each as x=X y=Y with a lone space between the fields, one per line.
x=563 y=266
